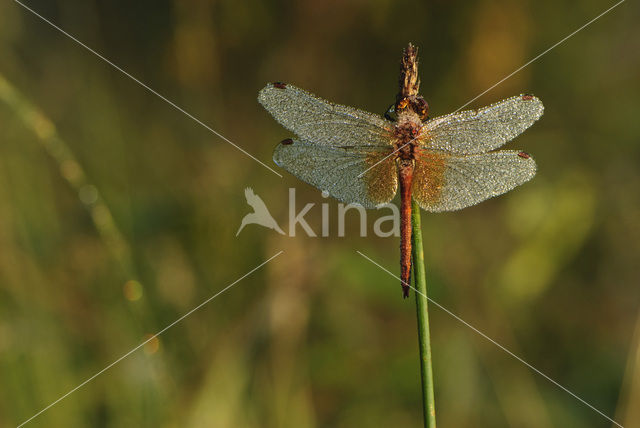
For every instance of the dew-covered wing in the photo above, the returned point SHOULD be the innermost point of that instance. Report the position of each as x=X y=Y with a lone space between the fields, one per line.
x=485 y=129
x=337 y=170
x=446 y=182
x=317 y=120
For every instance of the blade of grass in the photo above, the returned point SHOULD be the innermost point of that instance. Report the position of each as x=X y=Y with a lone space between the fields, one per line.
x=424 y=340
x=35 y=120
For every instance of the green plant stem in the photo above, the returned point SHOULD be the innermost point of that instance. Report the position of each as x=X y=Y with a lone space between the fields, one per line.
x=424 y=341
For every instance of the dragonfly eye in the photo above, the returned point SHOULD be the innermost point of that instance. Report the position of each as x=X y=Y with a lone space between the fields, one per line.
x=286 y=142
x=421 y=107
x=416 y=103
x=280 y=85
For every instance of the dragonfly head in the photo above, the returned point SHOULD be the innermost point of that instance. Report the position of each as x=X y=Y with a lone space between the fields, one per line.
x=415 y=103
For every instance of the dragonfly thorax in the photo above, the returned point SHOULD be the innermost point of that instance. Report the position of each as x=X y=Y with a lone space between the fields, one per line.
x=407 y=133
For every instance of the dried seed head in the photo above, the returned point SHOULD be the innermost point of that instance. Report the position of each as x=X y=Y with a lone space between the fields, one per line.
x=409 y=80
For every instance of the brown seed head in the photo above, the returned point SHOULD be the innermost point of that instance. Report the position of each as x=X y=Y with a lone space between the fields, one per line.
x=409 y=81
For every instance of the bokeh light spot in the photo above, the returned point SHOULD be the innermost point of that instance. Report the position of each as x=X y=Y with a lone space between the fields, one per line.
x=70 y=170
x=88 y=194
x=153 y=344
x=43 y=127
x=132 y=290
x=101 y=216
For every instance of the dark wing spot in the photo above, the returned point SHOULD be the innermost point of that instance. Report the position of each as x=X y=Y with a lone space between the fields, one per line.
x=527 y=97
x=524 y=155
x=279 y=85
x=286 y=142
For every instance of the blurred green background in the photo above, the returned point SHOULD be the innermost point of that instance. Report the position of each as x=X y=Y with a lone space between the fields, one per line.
x=118 y=215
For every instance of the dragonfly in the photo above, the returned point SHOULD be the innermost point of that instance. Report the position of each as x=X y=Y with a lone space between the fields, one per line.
x=446 y=163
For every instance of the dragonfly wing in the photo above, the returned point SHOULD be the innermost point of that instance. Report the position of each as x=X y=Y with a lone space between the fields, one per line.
x=485 y=129
x=337 y=170
x=444 y=182
x=325 y=123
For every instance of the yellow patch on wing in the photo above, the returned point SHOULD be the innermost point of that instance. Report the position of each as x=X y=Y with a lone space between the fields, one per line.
x=428 y=176
x=382 y=178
